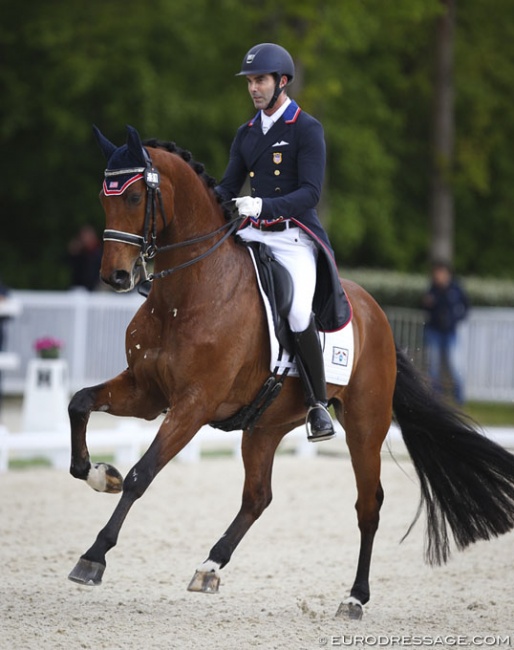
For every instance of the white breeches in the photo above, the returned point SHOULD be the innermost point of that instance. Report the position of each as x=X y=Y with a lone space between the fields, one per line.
x=295 y=250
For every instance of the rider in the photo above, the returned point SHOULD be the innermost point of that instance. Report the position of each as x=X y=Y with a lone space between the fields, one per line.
x=282 y=150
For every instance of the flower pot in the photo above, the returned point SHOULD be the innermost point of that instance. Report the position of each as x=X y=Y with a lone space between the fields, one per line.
x=49 y=353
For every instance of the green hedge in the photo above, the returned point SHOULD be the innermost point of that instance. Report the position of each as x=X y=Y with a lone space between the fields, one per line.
x=403 y=290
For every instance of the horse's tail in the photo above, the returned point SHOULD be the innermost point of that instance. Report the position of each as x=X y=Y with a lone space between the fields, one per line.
x=467 y=481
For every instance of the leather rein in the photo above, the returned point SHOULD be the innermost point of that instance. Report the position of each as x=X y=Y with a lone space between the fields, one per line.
x=148 y=241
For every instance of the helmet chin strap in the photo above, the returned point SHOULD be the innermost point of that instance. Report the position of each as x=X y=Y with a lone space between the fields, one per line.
x=276 y=94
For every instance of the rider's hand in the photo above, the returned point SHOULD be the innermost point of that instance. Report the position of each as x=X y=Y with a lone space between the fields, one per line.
x=249 y=206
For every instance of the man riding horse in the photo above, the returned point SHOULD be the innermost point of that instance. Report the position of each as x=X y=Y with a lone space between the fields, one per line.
x=282 y=151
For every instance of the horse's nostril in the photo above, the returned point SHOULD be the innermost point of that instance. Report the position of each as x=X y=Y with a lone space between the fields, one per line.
x=119 y=279
x=120 y=276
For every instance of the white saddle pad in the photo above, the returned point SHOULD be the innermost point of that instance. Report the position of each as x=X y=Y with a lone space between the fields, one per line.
x=338 y=348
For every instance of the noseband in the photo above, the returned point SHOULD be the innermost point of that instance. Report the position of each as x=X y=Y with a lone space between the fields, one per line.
x=147 y=242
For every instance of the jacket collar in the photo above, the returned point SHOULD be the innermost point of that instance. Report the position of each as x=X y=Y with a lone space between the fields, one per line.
x=289 y=117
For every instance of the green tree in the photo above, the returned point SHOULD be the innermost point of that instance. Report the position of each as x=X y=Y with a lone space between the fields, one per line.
x=483 y=184
x=443 y=137
x=365 y=68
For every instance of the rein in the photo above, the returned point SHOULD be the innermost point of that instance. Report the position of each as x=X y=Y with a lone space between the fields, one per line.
x=147 y=241
x=230 y=227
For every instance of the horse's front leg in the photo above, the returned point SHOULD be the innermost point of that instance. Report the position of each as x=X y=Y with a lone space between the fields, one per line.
x=119 y=396
x=178 y=428
x=258 y=451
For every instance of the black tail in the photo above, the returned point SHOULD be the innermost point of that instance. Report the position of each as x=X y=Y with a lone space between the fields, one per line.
x=467 y=481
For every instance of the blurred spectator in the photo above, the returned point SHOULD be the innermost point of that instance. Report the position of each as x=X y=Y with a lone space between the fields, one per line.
x=446 y=305
x=84 y=258
x=3 y=296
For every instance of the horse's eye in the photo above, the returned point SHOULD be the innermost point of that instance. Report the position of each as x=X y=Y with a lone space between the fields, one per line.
x=134 y=198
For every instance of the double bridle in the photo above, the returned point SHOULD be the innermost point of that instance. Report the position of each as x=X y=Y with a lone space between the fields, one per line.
x=147 y=242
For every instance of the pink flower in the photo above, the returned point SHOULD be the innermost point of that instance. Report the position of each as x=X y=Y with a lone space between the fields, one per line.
x=47 y=343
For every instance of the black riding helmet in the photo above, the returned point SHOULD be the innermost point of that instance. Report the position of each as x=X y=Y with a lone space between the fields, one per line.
x=269 y=58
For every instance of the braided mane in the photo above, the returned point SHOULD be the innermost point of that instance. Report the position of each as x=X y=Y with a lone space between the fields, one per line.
x=198 y=167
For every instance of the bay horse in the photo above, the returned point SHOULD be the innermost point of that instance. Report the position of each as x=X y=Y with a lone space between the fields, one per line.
x=198 y=350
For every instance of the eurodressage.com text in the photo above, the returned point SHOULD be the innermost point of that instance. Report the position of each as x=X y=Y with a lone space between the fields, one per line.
x=441 y=641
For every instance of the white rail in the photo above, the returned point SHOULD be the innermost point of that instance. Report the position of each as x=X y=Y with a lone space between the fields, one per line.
x=92 y=327
x=127 y=441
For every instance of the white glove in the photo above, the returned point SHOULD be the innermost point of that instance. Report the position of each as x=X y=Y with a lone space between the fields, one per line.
x=249 y=206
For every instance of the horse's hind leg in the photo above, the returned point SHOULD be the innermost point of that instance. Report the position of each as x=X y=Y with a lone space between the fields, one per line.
x=258 y=451
x=364 y=437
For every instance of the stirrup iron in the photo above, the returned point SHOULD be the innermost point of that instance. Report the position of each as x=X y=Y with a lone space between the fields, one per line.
x=328 y=434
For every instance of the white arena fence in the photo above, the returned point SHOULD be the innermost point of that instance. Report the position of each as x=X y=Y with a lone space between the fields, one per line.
x=92 y=329
x=485 y=349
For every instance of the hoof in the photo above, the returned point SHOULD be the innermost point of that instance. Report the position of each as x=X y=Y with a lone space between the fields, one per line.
x=206 y=582
x=105 y=478
x=87 y=573
x=350 y=608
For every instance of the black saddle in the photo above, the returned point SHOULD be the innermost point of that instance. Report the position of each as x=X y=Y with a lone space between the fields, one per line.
x=278 y=286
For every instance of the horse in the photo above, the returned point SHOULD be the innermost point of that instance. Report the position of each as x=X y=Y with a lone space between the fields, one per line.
x=198 y=351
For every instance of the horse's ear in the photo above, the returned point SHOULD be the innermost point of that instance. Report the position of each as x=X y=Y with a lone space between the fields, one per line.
x=134 y=144
x=107 y=147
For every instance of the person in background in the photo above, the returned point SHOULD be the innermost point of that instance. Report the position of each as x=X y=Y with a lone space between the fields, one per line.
x=84 y=258
x=4 y=291
x=446 y=305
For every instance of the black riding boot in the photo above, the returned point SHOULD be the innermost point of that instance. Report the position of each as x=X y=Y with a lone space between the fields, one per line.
x=309 y=359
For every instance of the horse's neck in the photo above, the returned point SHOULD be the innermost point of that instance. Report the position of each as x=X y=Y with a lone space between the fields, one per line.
x=194 y=215
x=215 y=279
x=195 y=211
x=194 y=218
